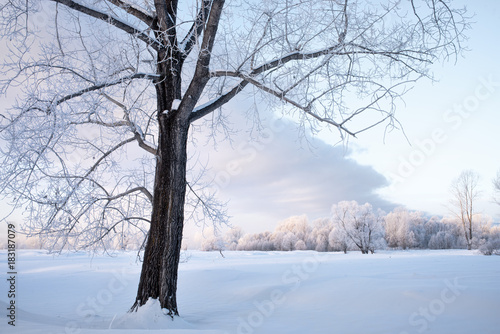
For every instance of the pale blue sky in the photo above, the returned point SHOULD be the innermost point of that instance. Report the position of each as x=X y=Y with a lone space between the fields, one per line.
x=462 y=110
x=450 y=125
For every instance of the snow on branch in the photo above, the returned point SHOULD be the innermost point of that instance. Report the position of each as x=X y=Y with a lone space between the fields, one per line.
x=143 y=190
x=307 y=108
x=135 y=10
x=136 y=130
x=155 y=44
x=196 y=29
x=201 y=74
x=212 y=105
x=205 y=207
x=84 y=177
x=103 y=85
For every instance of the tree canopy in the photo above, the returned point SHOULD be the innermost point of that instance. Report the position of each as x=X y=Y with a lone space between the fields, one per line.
x=96 y=141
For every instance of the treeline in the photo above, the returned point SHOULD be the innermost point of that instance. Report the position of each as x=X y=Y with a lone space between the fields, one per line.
x=358 y=227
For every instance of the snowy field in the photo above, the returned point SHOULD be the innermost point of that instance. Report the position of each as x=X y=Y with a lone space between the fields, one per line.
x=400 y=292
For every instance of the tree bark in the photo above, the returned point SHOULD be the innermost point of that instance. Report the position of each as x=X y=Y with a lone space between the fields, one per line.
x=161 y=258
x=162 y=252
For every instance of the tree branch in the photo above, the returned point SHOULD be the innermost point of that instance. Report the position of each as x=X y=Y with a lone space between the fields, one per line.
x=134 y=10
x=90 y=171
x=202 y=75
x=279 y=94
x=209 y=107
x=105 y=84
x=196 y=29
x=136 y=130
x=128 y=192
x=155 y=44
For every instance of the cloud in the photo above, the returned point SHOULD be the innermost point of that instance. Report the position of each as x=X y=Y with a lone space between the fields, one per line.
x=270 y=175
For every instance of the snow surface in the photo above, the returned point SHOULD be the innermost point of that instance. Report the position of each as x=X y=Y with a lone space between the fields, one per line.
x=400 y=292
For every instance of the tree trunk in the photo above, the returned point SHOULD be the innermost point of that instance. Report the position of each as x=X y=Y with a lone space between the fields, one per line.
x=161 y=258
x=469 y=246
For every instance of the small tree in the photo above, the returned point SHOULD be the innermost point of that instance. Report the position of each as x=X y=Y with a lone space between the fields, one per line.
x=212 y=240
x=232 y=238
x=496 y=188
x=400 y=228
x=338 y=240
x=296 y=225
x=319 y=235
x=465 y=193
x=111 y=77
x=360 y=224
x=492 y=245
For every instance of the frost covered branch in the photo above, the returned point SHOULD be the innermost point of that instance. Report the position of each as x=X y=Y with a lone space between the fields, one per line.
x=103 y=85
x=94 y=12
x=135 y=10
x=191 y=38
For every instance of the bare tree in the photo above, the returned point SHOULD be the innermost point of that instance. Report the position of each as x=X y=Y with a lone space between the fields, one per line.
x=465 y=193
x=399 y=228
x=359 y=225
x=496 y=187
x=98 y=138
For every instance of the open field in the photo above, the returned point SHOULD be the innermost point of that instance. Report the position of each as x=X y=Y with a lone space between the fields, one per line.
x=400 y=292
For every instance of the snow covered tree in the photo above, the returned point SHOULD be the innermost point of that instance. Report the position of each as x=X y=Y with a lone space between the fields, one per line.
x=496 y=187
x=232 y=237
x=319 y=234
x=259 y=241
x=285 y=241
x=296 y=225
x=481 y=230
x=492 y=245
x=400 y=228
x=444 y=233
x=360 y=224
x=211 y=240
x=465 y=193
x=110 y=90
x=442 y=240
x=338 y=240
x=300 y=245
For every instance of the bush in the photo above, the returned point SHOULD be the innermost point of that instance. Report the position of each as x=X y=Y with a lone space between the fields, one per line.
x=491 y=247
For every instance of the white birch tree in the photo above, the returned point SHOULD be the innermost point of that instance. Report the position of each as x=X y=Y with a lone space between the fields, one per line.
x=465 y=194
x=106 y=78
x=496 y=187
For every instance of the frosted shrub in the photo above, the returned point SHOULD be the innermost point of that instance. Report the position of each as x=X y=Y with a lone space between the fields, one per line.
x=212 y=241
x=318 y=235
x=491 y=247
x=288 y=241
x=360 y=224
x=300 y=245
x=442 y=240
x=259 y=242
x=297 y=225
x=232 y=238
x=403 y=228
x=338 y=241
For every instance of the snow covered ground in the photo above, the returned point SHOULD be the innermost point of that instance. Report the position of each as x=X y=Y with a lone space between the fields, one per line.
x=400 y=292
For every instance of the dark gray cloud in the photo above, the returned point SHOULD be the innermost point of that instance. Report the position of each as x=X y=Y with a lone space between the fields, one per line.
x=271 y=175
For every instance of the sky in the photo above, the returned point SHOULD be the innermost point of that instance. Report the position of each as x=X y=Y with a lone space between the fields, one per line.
x=449 y=126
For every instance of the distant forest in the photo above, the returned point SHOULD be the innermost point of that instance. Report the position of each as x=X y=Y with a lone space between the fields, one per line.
x=358 y=227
